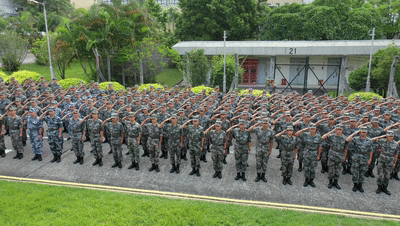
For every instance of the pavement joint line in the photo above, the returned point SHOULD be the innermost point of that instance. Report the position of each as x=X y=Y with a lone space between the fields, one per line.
x=313 y=209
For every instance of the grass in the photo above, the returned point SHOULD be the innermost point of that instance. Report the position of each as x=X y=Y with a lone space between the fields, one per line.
x=36 y=204
x=169 y=77
x=74 y=71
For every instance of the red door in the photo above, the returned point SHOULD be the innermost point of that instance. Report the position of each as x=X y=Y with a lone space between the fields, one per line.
x=250 y=74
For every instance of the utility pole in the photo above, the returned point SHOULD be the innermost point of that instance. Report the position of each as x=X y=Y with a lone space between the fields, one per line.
x=368 y=86
x=224 y=86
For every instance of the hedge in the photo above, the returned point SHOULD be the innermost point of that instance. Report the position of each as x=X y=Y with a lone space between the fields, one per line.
x=105 y=85
x=4 y=76
x=66 y=83
x=256 y=92
x=199 y=89
x=147 y=86
x=367 y=96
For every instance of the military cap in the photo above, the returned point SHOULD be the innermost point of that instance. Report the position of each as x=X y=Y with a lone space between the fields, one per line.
x=18 y=99
x=12 y=108
x=352 y=118
x=68 y=96
x=33 y=100
x=364 y=129
x=195 y=118
x=386 y=113
x=76 y=111
x=339 y=126
x=181 y=110
x=201 y=109
x=374 y=119
x=325 y=111
x=174 y=116
x=377 y=109
x=114 y=115
x=289 y=128
x=217 y=87
x=287 y=113
x=154 y=116
x=242 y=122
x=312 y=125
x=54 y=102
x=264 y=120
x=218 y=123
x=131 y=114
x=307 y=114
x=390 y=133
x=51 y=109
x=95 y=111
x=365 y=116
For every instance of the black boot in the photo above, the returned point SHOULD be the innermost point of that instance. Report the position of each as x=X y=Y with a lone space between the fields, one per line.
x=81 y=160
x=215 y=174
x=204 y=158
x=330 y=183
x=184 y=157
x=396 y=176
x=360 y=188
x=224 y=161
x=78 y=159
x=323 y=168
x=163 y=154
x=258 y=177
x=198 y=172
x=100 y=162
x=166 y=155
x=244 y=176
x=263 y=178
x=237 y=176
x=115 y=164
x=219 y=174
x=33 y=159
x=348 y=170
x=2 y=153
x=146 y=153
x=384 y=190
x=96 y=162
x=110 y=152
x=192 y=172
x=120 y=165
x=21 y=155
x=173 y=168
x=127 y=153
x=367 y=173
x=378 y=191
x=391 y=176
x=344 y=170
x=17 y=156
x=137 y=167
x=311 y=182
x=355 y=187
x=177 y=169
x=335 y=183
x=58 y=158
x=157 y=169
x=288 y=181
x=371 y=173
x=153 y=167
x=305 y=183
x=133 y=165
x=39 y=158
x=300 y=166
x=284 y=182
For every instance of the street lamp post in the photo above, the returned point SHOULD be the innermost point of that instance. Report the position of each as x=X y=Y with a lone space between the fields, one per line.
x=47 y=34
x=368 y=85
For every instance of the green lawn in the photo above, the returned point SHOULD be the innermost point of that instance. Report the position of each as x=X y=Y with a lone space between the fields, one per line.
x=36 y=204
x=74 y=71
x=169 y=77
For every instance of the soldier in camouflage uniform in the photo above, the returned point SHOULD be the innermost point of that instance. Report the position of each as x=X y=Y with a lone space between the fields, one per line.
x=265 y=143
x=374 y=131
x=117 y=132
x=15 y=126
x=154 y=140
x=386 y=161
x=35 y=132
x=196 y=143
x=3 y=131
x=132 y=131
x=363 y=148
x=242 y=148
x=96 y=133
x=78 y=131
x=289 y=151
x=337 y=154
x=218 y=147
x=324 y=128
x=311 y=153
x=173 y=132
x=54 y=132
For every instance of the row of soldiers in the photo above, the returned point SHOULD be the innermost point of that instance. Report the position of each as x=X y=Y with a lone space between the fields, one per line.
x=355 y=136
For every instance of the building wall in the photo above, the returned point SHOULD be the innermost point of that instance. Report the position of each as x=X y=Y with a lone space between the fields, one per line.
x=83 y=3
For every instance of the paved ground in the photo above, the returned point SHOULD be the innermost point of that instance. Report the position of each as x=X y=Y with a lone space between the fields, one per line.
x=273 y=191
x=29 y=59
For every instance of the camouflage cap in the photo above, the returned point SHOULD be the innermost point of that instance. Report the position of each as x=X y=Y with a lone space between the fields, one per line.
x=339 y=126
x=287 y=113
x=154 y=116
x=114 y=115
x=33 y=100
x=131 y=114
x=364 y=129
x=51 y=109
x=224 y=112
x=95 y=111
x=312 y=125
x=18 y=99
x=264 y=120
x=324 y=111
x=218 y=123
x=352 y=118
x=390 y=133
x=76 y=112
x=307 y=114
x=289 y=128
x=195 y=118
x=12 y=108
x=374 y=119
x=54 y=102
x=174 y=116
x=386 y=113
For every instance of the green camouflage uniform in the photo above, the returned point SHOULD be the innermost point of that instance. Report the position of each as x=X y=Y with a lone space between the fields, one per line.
x=94 y=128
x=196 y=134
x=153 y=141
x=241 y=149
x=173 y=133
x=217 y=140
x=336 y=153
x=386 y=159
x=132 y=134
x=264 y=137
x=310 y=153
x=363 y=147
x=14 y=125
x=116 y=131
x=288 y=144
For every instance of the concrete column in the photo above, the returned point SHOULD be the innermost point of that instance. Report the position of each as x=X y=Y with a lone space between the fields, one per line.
x=343 y=81
x=272 y=68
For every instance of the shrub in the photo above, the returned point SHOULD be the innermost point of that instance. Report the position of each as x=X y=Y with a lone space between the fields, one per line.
x=199 y=89
x=65 y=83
x=256 y=92
x=21 y=76
x=217 y=76
x=364 y=96
x=117 y=86
x=147 y=86
x=5 y=77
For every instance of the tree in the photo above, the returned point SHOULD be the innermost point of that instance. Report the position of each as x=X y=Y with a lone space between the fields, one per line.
x=217 y=76
x=13 y=50
x=199 y=65
x=390 y=13
x=380 y=71
x=207 y=19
